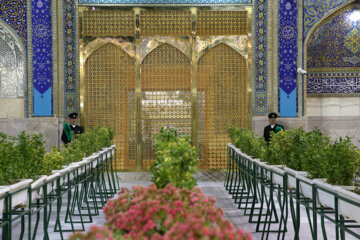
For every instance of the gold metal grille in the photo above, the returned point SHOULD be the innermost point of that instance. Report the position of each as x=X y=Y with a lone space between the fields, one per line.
x=165 y=23
x=108 y=23
x=221 y=101
x=165 y=96
x=221 y=23
x=110 y=98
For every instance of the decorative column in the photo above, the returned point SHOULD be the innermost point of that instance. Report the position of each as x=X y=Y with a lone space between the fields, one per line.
x=288 y=55
x=70 y=83
x=260 y=32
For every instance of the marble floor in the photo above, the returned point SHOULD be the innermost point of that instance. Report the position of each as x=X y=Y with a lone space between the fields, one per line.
x=212 y=183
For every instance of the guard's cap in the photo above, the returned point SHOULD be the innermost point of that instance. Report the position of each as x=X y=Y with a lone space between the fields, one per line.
x=272 y=115
x=73 y=115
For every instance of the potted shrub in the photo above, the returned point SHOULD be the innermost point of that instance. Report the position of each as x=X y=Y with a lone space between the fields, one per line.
x=176 y=160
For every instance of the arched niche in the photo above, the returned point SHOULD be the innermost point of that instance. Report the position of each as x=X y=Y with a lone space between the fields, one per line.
x=332 y=54
x=12 y=74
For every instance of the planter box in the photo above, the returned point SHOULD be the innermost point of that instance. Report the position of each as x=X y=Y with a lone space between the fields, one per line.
x=37 y=190
x=51 y=183
x=62 y=174
x=306 y=186
x=278 y=174
x=19 y=192
x=94 y=159
x=325 y=196
x=3 y=191
x=350 y=209
x=291 y=177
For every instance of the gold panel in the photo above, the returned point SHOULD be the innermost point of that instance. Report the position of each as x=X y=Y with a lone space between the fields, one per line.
x=221 y=23
x=108 y=23
x=165 y=96
x=221 y=101
x=165 y=23
x=110 y=98
x=184 y=68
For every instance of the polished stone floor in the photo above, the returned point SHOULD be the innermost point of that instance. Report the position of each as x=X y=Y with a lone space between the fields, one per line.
x=212 y=183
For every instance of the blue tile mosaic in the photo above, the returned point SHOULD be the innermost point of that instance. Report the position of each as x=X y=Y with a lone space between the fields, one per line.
x=330 y=85
x=14 y=14
x=260 y=33
x=314 y=10
x=42 y=63
x=166 y=2
x=288 y=53
x=335 y=43
x=70 y=83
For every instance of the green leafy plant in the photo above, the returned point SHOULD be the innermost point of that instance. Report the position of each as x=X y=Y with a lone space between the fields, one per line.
x=278 y=149
x=244 y=139
x=24 y=156
x=313 y=155
x=340 y=160
x=9 y=158
x=53 y=160
x=176 y=160
x=31 y=150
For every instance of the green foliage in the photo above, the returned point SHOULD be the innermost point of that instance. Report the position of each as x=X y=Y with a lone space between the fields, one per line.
x=24 y=156
x=53 y=160
x=315 y=147
x=31 y=150
x=176 y=160
x=9 y=158
x=244 y=139
x=304 y=151
x=20 y=157
x=278 y=149
x=340 y=159
x=356 y=166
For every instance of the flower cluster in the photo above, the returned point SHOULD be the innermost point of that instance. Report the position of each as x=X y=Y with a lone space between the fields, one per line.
x=160 y=214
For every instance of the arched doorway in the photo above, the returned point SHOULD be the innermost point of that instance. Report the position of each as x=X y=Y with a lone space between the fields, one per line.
x=110 y=98
x=221 y=102
x=165 y=96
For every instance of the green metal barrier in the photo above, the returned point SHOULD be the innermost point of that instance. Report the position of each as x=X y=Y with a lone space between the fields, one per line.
x=86 y=185
x=255 y=185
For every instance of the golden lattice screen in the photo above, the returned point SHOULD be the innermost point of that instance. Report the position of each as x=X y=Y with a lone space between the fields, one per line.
x=221 y=101
x=108 y=23
x=110 y=99
x=165 y=96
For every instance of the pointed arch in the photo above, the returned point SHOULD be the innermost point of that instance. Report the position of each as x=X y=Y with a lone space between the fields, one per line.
x=110 y=98
x=221 y=101
x=325 y=17
x=168 y=60
x=13 y=62
x=215 y=44
x=165 y=95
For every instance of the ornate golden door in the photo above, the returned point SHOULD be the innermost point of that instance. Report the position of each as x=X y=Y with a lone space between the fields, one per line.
x=136 y=85
x=110 y=98
x=165 y=96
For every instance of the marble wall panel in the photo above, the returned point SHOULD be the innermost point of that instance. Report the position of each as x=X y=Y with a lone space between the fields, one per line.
x=51 y=128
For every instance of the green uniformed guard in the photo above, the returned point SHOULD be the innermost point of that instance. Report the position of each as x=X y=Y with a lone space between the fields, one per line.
x=71 y=129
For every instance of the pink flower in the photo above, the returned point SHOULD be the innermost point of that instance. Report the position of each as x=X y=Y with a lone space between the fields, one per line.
x=178 y=203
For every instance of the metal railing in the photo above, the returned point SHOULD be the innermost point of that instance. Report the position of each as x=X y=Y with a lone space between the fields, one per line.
x=84 y=186
x=273 y=195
